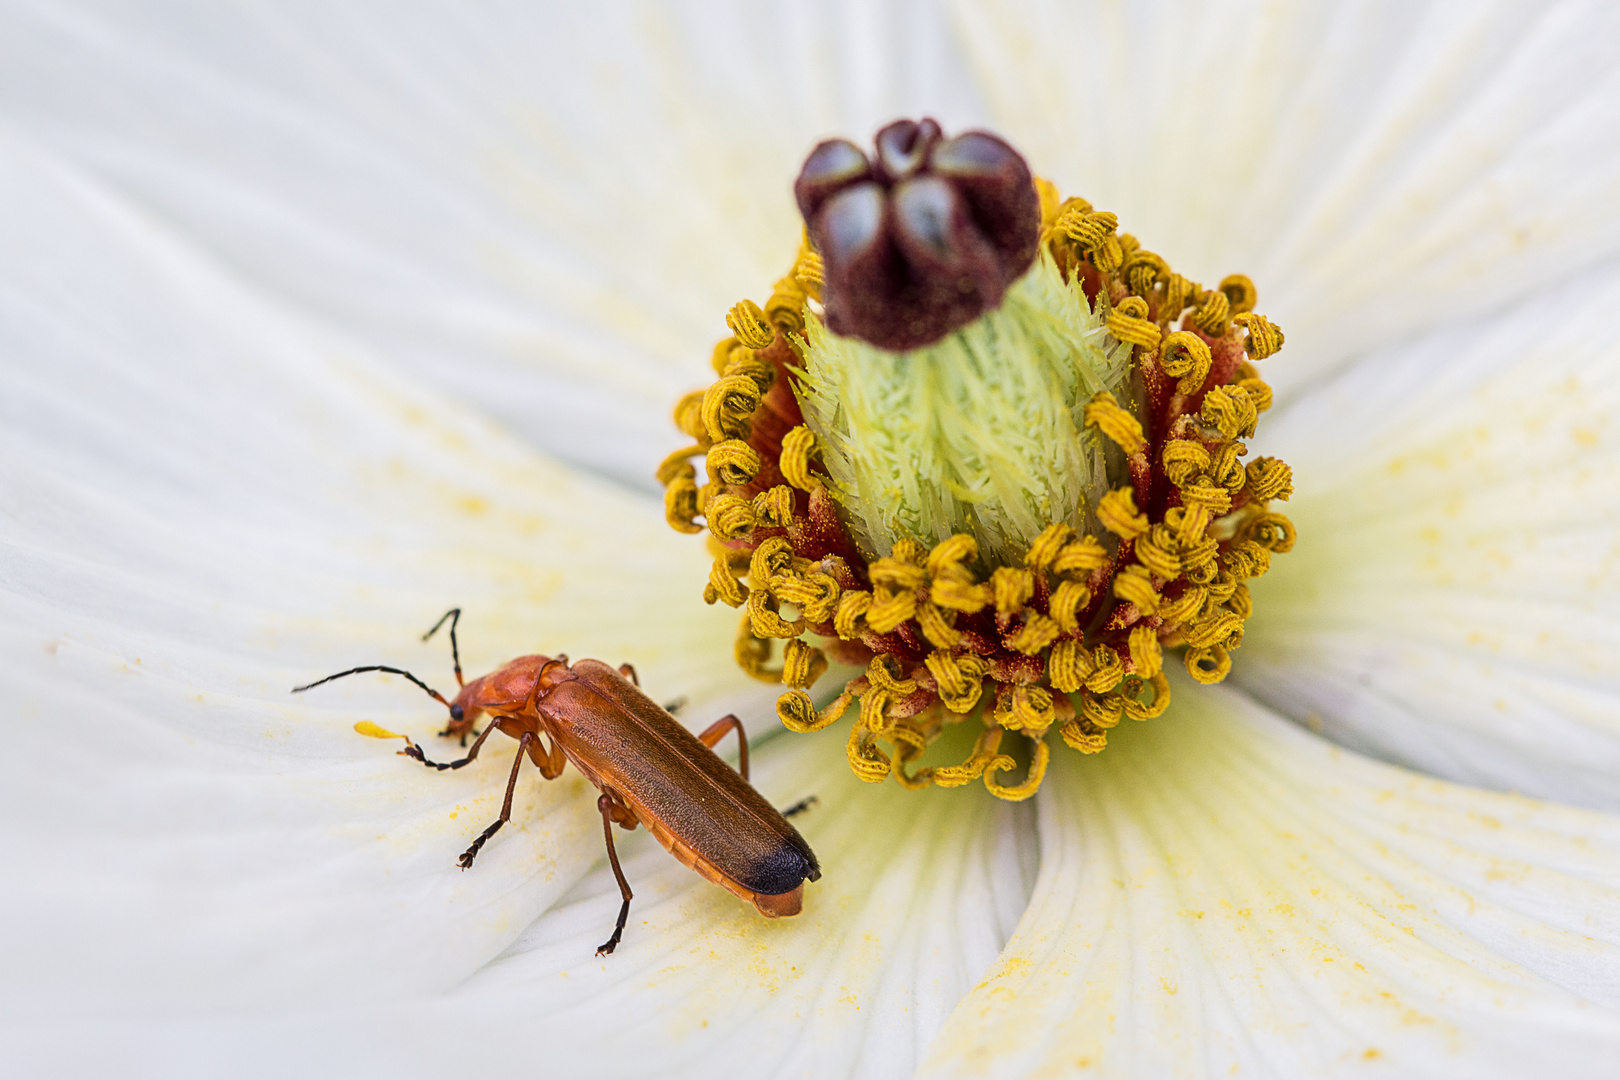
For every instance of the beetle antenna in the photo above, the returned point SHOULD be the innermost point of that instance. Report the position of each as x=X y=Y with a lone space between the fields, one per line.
x=432 y=693
x=454 y=615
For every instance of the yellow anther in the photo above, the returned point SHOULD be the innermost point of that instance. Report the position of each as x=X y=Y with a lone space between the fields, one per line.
x=1220 y=590
x=897 y=574
x=748 y=364
x=372 y=731
x=1158 y=551
x=1185 y=606
x=771 y=558
x=875 y=716
x=816 y=594
x=1178 y=293
x=1102 y=710
x=773 y=508
x=1146 y=658
x=798 y=712
x=884 y=673
x=766 y=622
x=795 y=460
x=865 y=760
x=723 y=585
x=1197 y=555
x=1068 y=665
x=1265 y=336
x=1225 y=469
x=1188 y=523
x=1080 y=557
x=889 y=609
x=949 y=555
x=720 y=358
x=1084 y=736
x=750 y=325
x=1046 y=547
x=1086 y=227
x=810 y=273
x=1259 y=392
x=852 y=608
x=1068 y=600
x=1118 y=514
x=1214 y=313
x=1037 y=633
x=1246 y=559
x=1207 y=496
x=1128 y=322
x=1012 y=588
x=727 y=405
x=960 y=678
x=1106 y=415
x=1143 y=270
x=938 y=632
x=1229 y=411
x=689 y=414
x=1241 y=295
x=1107 y=669
x=1032 y=782
x=1273 y=532
x=733 y=462
x=678 y=464
x=802 y=664
x=785 y=309
x=1269 y=478
x=960 y=595
x=1240 y=603
x=1208 y=665
x=681 y=502
x=1051 y=201
x=753 y=654
x=1136 y=710
x=1024 y=708
x=1218 y=629
x=1186 y=356
x=984 y=752
x=1184 y=459
x=1135 y=585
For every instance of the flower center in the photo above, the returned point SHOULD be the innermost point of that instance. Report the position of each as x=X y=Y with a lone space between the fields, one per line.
x=987 y=447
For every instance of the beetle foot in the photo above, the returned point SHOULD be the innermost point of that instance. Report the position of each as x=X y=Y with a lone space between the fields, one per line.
x=607 y=947
x=802 y=805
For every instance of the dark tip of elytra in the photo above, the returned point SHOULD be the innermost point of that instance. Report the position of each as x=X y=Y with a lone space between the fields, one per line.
x=924 y=239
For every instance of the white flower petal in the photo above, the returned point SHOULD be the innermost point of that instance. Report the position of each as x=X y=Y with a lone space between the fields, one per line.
x=1223 y=894
x=1374 y=167
x=1451 y=603
x=918 y=894
x=209 y=501
x=545 y=210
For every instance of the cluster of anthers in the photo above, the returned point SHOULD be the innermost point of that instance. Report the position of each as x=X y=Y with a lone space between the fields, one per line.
x=1070 y=636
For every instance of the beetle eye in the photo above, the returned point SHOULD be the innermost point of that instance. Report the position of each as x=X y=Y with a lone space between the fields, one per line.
x=456 y=712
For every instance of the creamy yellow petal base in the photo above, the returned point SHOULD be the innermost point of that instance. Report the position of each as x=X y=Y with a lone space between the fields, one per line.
x=1222 y=894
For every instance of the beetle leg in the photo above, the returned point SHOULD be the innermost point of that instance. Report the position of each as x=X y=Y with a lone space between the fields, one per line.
x=629 y=672
x=717 y=731
x=471 y=853
x=552 y=762
x=414 y=751
x=606 y=804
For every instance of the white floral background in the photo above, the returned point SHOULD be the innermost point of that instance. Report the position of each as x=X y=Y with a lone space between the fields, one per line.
x=317 y=319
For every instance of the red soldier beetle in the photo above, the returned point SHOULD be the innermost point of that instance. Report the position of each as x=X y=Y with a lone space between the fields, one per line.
x=649 y=769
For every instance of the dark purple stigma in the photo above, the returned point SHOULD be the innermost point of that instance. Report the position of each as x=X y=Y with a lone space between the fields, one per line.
x=922 y=238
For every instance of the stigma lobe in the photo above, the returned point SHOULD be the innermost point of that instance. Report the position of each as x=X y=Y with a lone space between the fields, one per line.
x=922 y=238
